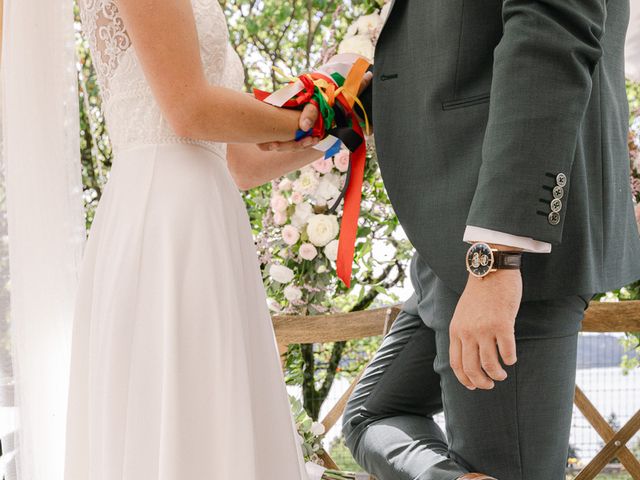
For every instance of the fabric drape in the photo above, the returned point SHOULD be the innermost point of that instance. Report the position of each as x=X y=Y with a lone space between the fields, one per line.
x=42 y=231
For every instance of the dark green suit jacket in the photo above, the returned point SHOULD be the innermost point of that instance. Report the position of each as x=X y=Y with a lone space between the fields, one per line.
x=479 y=105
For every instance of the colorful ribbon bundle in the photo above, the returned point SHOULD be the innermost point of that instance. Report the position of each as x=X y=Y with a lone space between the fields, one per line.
x=333 y=89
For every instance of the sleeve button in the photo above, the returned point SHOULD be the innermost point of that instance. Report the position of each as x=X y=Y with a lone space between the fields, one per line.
x=558 y=192
x=561 y=179
x=556 y=205
x=554 y=218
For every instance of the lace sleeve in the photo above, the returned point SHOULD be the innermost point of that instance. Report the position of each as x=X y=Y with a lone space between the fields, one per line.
x=107 y=37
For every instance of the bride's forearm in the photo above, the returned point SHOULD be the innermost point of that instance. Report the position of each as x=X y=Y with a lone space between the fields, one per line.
x=252 y=167
x=224 y=115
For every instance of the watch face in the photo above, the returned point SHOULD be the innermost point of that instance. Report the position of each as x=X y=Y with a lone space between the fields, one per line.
x=479 y=259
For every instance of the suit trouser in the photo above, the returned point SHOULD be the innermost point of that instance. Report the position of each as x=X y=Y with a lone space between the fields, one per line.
x=519 y=430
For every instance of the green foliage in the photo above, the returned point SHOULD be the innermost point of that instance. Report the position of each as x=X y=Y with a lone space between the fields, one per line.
x=291 y=35
x=95 y=147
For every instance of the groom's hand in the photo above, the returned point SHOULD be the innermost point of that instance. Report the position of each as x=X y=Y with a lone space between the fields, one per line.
x=482 y=328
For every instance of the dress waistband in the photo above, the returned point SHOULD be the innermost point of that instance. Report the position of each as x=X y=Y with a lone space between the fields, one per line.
x=218 y=149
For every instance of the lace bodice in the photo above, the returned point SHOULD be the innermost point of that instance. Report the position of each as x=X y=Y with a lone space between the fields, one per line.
x=133 y=116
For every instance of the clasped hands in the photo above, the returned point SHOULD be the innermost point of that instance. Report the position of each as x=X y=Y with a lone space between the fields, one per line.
x=307 y=120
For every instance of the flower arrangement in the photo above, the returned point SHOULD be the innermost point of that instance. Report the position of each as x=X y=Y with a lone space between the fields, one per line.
x=310 y=432
x=299 y=239
x=301 y=259
x=310 y=436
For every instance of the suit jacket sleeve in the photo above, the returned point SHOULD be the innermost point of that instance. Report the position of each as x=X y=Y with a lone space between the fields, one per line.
x=541 y=85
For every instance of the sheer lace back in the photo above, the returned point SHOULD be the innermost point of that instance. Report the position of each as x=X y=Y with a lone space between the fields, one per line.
x=132 y=114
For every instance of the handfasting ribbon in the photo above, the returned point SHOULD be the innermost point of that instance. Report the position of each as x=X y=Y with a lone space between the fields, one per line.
x=342 y=126
x=353 y=194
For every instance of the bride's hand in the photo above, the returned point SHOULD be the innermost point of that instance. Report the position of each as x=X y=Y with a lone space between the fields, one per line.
x=308 y=119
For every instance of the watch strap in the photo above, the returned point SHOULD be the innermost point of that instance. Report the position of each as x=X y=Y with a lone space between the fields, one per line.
x=507 y=260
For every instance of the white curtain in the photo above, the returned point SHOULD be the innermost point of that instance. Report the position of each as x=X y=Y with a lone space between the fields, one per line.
x=42 y=232
x=632 y=48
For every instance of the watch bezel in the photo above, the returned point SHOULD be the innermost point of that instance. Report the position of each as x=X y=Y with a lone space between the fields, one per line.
x=473 y=270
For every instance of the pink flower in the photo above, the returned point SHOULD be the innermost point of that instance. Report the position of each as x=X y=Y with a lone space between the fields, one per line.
x=279 y=203
x=637 y=210
x=635 y=187
x=341 y=160
x=290 y=235
x=285 y=185
x=323 y=166
x=297 y=197
x=308 y=251
x=280 y=218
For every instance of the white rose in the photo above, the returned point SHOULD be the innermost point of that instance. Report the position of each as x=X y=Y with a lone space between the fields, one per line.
x=292 y=293
x=359 y=44
x=317 y=428
x=352 y=30
x=331 y=250
x=280 y=273
x=302 y=213
x=326 y=189
x=322 y=229
x=290 y=235
x=367 y=24
x=306 y=182
x=285 y=185
x=308 y=251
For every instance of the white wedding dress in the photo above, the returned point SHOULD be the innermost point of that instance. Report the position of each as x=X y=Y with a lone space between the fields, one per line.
x=174 y=372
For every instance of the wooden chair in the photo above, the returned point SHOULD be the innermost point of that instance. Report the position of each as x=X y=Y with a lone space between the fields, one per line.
x=599 y=317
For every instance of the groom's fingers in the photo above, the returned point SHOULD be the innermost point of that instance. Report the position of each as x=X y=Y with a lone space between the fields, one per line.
x=366 y=80
x=292 y=146
x=308 y=117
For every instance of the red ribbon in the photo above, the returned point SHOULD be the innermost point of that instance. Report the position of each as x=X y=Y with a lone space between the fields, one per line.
x=352 y=198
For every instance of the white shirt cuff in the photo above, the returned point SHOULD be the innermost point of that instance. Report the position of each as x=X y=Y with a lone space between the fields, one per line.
x=479 y=234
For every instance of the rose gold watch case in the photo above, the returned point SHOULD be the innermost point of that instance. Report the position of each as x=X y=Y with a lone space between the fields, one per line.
x=491 y=260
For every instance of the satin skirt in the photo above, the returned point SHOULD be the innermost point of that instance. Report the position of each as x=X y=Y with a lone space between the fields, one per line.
x=175 y=373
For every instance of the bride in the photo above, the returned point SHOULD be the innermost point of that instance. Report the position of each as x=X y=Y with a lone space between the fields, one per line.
x=174 y=368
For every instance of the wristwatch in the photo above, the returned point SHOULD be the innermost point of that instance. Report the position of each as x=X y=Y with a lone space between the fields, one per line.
x=482 y=259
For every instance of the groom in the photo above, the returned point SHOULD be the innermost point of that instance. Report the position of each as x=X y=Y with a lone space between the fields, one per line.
x=500 y=125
